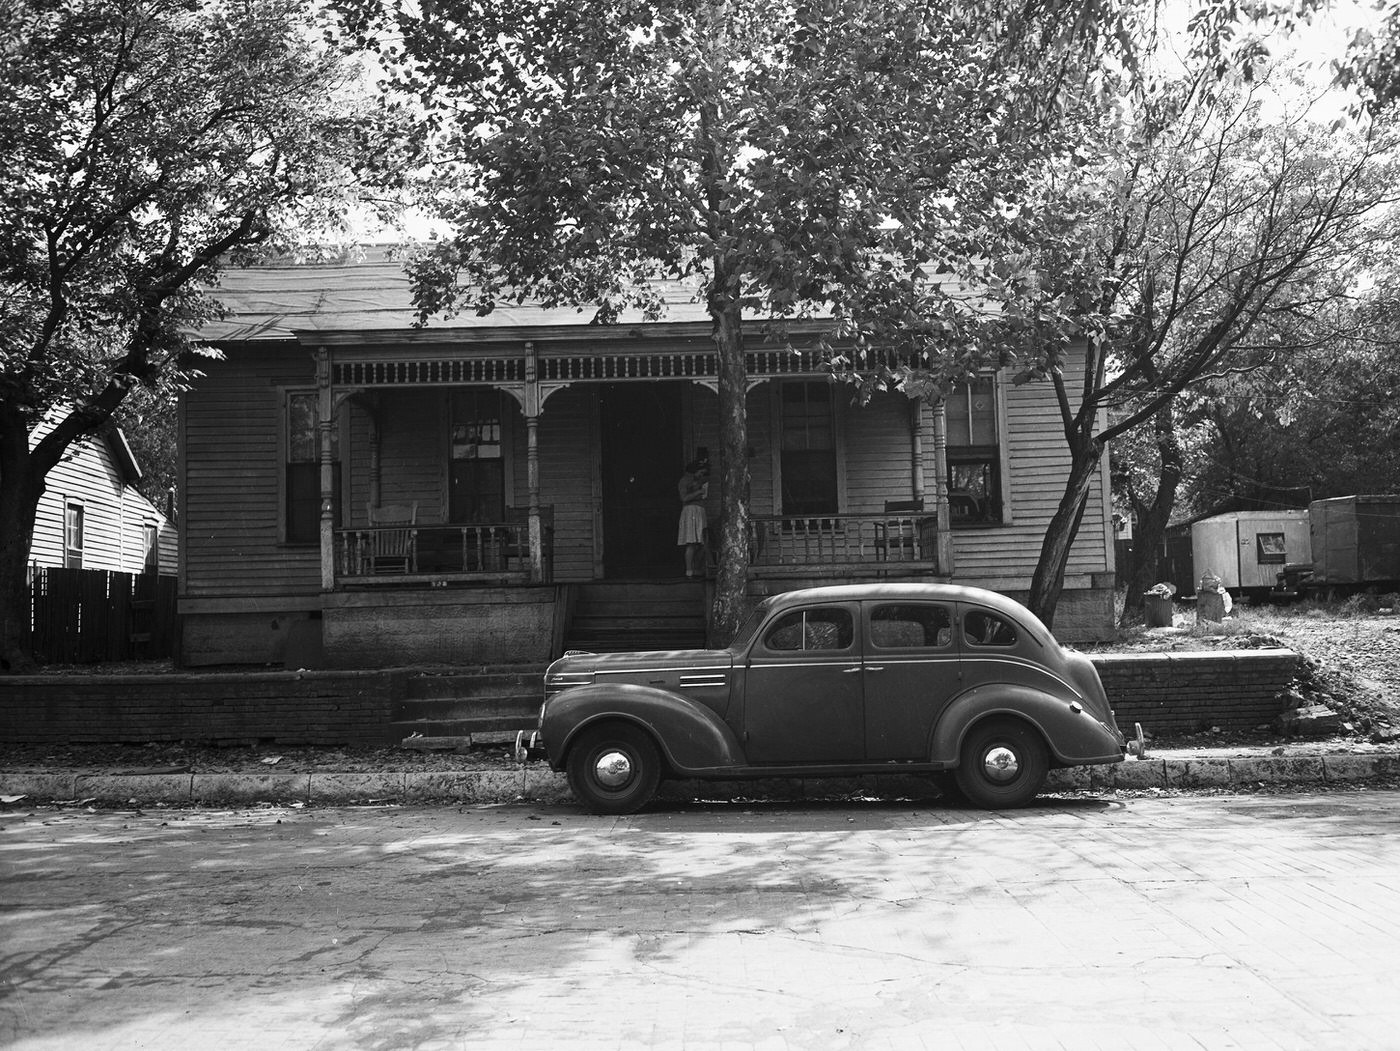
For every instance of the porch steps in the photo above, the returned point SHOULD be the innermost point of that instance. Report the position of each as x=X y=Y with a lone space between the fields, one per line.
x=446 y=710
x=613 y=616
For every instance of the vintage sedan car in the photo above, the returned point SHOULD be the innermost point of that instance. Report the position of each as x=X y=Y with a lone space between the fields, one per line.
x=955 y=682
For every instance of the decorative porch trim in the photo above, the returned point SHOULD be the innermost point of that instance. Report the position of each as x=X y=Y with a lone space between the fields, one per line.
x=561 y=366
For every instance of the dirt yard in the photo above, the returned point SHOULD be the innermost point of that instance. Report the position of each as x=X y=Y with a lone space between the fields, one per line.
x=1351 y=653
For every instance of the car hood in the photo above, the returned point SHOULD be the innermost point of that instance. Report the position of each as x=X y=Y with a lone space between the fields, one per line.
x=656 y=667
x=633 y=660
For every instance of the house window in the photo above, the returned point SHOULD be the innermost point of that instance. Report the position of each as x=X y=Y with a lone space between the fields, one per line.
x=73 y=535
x=151 y=539
x=974 y=454
x=808 y=449
x=1270 y=549
x=476 y=472
x=302 y=498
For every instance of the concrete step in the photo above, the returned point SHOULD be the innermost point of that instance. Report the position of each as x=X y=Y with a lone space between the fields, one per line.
x=631 y=645
x=449 y=708
x=503 y=723
x=459 y=742
x=470 y=684
x=667 y=598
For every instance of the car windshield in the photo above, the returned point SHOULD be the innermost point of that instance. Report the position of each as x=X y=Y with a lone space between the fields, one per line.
x=749 y=628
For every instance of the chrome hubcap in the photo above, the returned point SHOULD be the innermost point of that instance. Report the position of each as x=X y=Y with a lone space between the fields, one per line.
x=1000 y=764
x=613 y=769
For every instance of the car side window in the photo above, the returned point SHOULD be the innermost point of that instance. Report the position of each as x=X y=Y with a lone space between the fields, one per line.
x=987 y=629
x=922 y=626
x=812 y=629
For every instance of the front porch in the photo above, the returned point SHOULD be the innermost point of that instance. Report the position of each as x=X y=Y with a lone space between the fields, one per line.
x=532 y=463
x=499 y=552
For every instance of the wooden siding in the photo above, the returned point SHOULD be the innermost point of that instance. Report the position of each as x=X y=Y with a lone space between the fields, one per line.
x=232 y=468
x=568 y=479
x=1037 y=461
x=878 y=465
x=115 y=515
x=879 y=452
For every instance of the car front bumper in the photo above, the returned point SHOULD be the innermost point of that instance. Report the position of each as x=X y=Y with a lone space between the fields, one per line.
x=529 y=746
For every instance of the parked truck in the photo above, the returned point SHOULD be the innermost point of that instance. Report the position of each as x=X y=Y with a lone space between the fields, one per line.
x=1355 y=547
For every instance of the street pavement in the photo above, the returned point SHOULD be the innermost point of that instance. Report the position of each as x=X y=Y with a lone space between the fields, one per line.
x=1160 y=921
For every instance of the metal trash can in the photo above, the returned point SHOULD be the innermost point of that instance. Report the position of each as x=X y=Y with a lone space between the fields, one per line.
x=1157 y=610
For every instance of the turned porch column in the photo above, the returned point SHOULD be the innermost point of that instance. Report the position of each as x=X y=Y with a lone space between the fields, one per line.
x=532 y=461
x=940 y=487
x=325 y=420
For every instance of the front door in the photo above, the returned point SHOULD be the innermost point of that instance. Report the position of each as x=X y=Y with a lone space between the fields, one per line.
x=642 y=462
x=804 y=698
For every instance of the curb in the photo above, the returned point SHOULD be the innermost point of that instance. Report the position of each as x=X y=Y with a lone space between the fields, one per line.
x=539 y=784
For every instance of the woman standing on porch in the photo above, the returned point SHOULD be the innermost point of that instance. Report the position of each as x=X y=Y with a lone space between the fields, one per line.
x=693 y=487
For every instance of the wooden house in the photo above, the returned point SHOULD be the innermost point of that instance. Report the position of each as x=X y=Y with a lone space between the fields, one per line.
x=91 y=515
x=481 y=490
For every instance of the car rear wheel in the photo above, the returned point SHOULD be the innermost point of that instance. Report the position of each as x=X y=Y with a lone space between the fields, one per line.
x=614 y=768
x=1003 y=765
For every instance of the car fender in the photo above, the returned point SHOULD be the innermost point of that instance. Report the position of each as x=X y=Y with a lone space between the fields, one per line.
x=691 y=736
x=1074 y=737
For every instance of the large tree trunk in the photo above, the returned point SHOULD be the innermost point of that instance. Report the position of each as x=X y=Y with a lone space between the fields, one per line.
x=1152 y=518
x=20 y=489
x=1049 y=579
x=731 y=584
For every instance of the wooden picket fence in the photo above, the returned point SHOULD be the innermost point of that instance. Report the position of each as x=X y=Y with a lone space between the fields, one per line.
x=80 y=616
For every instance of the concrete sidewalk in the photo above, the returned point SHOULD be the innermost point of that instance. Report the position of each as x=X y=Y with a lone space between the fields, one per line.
x=1221 y=768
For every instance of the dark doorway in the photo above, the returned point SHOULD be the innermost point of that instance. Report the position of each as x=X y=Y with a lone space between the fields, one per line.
x=642 y=462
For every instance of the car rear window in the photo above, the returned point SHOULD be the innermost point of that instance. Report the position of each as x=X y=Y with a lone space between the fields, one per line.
x=812 y=629
x=987 y=629
x=919 y=626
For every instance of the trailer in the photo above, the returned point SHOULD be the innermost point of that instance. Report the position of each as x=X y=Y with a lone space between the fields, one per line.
x=1355 y=546
x=1248 y=549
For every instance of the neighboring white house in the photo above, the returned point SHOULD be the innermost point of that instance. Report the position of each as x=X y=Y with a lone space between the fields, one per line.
x=92 y=517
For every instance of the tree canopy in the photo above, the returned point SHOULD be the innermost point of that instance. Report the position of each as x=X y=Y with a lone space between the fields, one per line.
x=1206 y=223
x=147 y=142
x=796 y=160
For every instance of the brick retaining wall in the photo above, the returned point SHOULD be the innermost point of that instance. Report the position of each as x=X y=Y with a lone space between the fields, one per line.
x=1231 y=689
x=1164 y=692
x=222 y=708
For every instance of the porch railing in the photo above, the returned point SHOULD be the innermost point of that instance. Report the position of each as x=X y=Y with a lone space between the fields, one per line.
x=850 y=541
x=486 y=551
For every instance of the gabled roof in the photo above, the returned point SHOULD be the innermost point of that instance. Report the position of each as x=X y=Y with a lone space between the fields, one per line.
x=122 y=455
x=280 y=301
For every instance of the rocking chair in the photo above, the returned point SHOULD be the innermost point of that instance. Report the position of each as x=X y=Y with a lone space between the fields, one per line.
x=391 y=542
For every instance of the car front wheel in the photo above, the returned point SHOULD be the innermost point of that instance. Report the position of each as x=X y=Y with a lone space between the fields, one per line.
x=614 y=768
x=1003 y=764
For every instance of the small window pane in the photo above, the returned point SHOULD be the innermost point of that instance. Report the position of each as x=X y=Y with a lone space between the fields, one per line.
x=812 y=629
x=1271 y=548
x=988 y=629
x=911 y=626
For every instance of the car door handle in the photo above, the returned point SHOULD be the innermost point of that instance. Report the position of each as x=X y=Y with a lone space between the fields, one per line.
x=874 y=667
x=850 y=671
